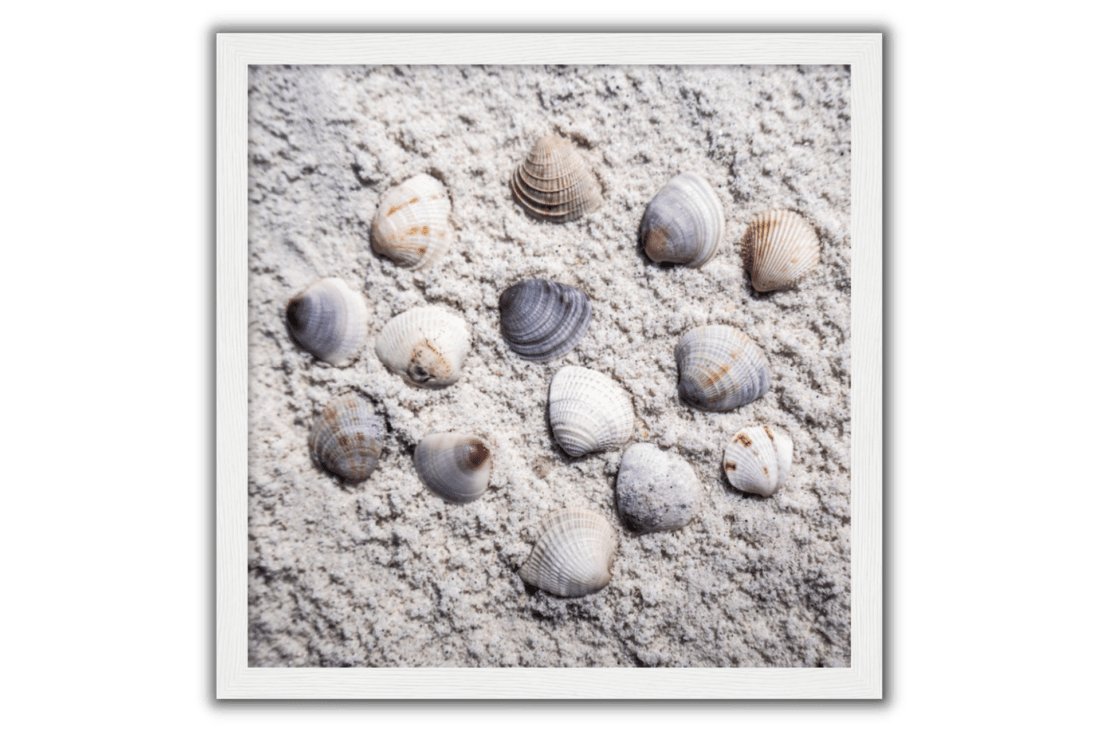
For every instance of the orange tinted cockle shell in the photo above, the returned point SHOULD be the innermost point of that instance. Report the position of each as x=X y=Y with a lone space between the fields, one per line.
x=779 y=248
x=413 y=223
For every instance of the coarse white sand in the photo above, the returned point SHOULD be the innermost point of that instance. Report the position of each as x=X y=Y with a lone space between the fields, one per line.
x=385 y=573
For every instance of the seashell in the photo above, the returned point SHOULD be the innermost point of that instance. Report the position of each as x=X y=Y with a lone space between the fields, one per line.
x=589 y=411
x=758 y=459
x=542 y=320
x=683 y=223
x=425 y=345
x=329 y=320
x=413 y=223
x=454 y=465
x=720 y=368
x=572 y=556
x=779 y=248
x=346 y=438
x=554 y=183
x=657 y=491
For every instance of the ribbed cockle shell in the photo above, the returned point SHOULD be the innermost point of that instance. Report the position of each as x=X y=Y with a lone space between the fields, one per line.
x=346 y=438
x=779 y=248
x=413 y=223
x=554 y=182
x=589 y=411
x=329 y=320
x=572 y=555
x=425 y=345
x=454 y=465
x=720 y=368
x=683 y=224
x=758 y=459
x=542 y=320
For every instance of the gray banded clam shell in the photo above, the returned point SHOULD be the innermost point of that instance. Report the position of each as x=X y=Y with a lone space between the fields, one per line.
x=779 y=248
x=541 y=320
x=720 y=368
x=413 y=223
x=572 y=555
x=554 y=182
x=329 y=320
x=684 y=224
x=454 y=465
x=589 y=411
x=346 y=438
x=426 y=346
x=758 y=459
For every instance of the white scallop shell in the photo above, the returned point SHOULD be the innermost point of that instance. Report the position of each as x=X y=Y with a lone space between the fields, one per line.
x=589 y=411
x=454 y=465
x=329 y=320
x=346 y=437
x=413 y=223
x=683 y=224
x=758 y=459
x=720 y=368
x=554 y=182
x=425 y=345
x=572 y=556
x=779 y=248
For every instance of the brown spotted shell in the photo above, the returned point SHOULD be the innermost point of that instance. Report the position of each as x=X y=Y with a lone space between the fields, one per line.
x=413 y=223
x=425 y=345
x=758 y=459
x=779 y=248
x=554 y=183
x=346 y=437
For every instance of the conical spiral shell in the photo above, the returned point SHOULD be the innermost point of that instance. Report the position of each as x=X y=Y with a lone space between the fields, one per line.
x=346 y=438
x=542 y=320
x=554 y=182
x=684 y=224
x=329 y=320
x=589 y=411
x=779 y=248
x=572 y=556
x=758 y=459
x=425 y=345
x=454 y=465
x=413 y=223
x=720 y=368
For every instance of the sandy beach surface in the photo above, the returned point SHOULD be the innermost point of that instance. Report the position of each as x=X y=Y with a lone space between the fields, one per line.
x=385 y=573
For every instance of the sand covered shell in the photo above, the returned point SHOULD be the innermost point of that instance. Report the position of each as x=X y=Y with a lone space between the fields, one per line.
x=684 y=224
x=425 y=345
x=329 y=320
x=656 y=491
x=720 y=368
x=758 y=459
x=589 y=411
x=779 y=248
x=454 y=465
x=346 y=437
x=554 y=183
x=572 y=555
x=413 y=223
x=541 y=320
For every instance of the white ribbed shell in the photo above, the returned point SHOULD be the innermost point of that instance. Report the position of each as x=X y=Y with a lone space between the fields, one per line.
x=413 y=223
x=684 y=224
x=779 y=248
x=589 y=411
x=346 y=437
x=720 y=368
x=425 y=345
x=758 y=459
x=572 y=556
x=329 y=320
x=554 y=182
x=454 y=465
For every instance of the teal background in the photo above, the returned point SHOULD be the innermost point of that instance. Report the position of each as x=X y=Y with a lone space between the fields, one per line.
x=999 y=367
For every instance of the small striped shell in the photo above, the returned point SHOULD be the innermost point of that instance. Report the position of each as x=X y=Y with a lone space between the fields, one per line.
x=720 y=368
x=554 y=182
x=589 y=411
x=426 y=346
x=454 y=465
x=329 y=320
x=346 y=438
x=541 y=320
x=413 y=223
x=572 y=555
x=779 y=248
x=758 y=459
x=683 y=224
